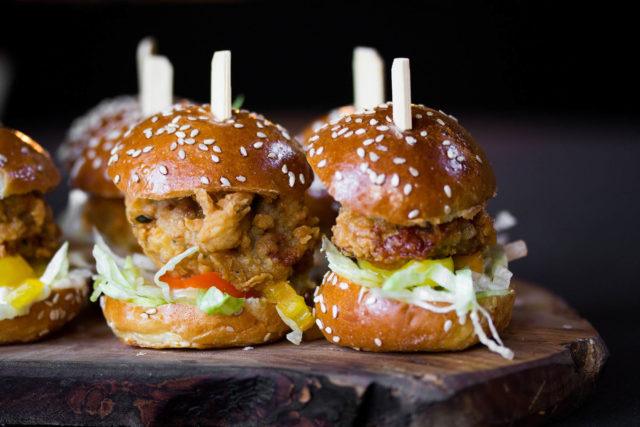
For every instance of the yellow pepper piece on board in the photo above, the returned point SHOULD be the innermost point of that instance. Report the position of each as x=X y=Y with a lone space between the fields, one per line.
x=290 y=304
x=22 y=296
x=14 y=270
x=474 y=261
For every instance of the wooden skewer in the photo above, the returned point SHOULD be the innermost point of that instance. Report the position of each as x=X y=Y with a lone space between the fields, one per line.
x=157 y=84
x=368 y=78
x=401 y=93
x=221 y=85
x=146 y=47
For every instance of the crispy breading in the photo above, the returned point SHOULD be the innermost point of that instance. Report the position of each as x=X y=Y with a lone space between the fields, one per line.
x=248 y=239
x=386 y=244
x=27 y=228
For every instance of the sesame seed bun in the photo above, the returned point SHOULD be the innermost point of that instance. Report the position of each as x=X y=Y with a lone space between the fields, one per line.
x=349 y=316
x=44 y=317
x=431 y=173
x=24 y=165
x=86 y=149
x=171 y=154
x=185 y=326
x=316 y=124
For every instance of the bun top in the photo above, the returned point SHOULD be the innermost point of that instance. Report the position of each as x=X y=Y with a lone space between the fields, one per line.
x=86 y=150
x=24 y=165
x=334 y=114
x=172 y=153
x=431 y=173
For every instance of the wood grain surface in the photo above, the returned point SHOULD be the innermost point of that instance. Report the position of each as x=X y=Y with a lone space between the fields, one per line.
x=83 y=375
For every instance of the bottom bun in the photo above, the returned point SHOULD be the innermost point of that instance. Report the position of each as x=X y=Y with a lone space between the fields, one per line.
x=45 y=316
x=185 y=326
x=351 y=316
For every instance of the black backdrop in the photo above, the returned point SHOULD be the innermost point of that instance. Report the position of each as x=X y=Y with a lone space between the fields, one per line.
x=549 y=88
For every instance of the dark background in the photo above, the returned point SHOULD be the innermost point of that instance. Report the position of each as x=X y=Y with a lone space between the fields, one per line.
x=549 y=88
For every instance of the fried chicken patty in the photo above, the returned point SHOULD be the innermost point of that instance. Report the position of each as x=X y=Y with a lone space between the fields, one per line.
x=109 y=217
x=27 y=228
x=386 y=244
x=248 y=239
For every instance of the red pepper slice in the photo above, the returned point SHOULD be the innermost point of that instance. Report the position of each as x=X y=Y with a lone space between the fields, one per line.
x=204 y=281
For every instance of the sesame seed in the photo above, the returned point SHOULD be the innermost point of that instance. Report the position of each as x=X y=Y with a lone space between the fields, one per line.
x=343 y=131
x=261 y=135
x=478 y=159
x=373 y=122
x=190 y=141
x=344 y=286
x=181 y=134
x=360 y=131
x=429 y=113
x=209 y=141
x=452 y=152
x=116 y=179
x=338 y=175
x=224 y=181
x=447 y=325
x=382 y=128
x=358 y=120
x=260 y=125
x=322 y=163
x=447 y=209
x=373 y=156
x=257 y=144
x=284 y=168
x=410 y=140
x=173 y=146
x=380 y=179
x=203 y=147
x=395 y=180
x=148 y=133
x=440 y=122
x=147 y=148
x=447 y=191
x=423 y=133
x=185 y=127
x=335 y=128
x=360 y=152
x=217 y=149
x=181 y=154
x=292 y=179
x=323 y=307
x=319 y=323
x=334 y=135
x=379 y=138
x=320 y=150
x=328 y=329
x=215 y=158
x=367 y=142
x=413 y=171
x=407 y=189
x=241 y=178
x=313 y=138
x=336 y=339
x=399 y=160
x=446 y=142
x=243 y=152
x=414 y=213
x=163 y=169
x=301 y=178
x=238 y=125
x=378 y=342
x=418 y=116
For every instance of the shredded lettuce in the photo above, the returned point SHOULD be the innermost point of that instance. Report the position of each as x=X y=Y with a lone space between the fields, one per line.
x=58 y=267
x=130 y=279
x=435 y=286
x=295 y=336
x=214 y=301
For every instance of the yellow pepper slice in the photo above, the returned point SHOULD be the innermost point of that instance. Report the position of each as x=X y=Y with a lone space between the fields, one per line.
x=24 y=295
x=14 y=270
x=290 y=304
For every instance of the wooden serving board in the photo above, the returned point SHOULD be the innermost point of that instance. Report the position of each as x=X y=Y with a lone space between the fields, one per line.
x=85 y=376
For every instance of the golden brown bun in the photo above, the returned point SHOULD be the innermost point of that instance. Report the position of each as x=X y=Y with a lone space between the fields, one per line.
x=431 y=173
x=89 y=171
x=109 y=115
x=44 y=317
x=24 y=165
x=157 y=160
x=316 y=124
x=379 y=324
x=184 y=326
